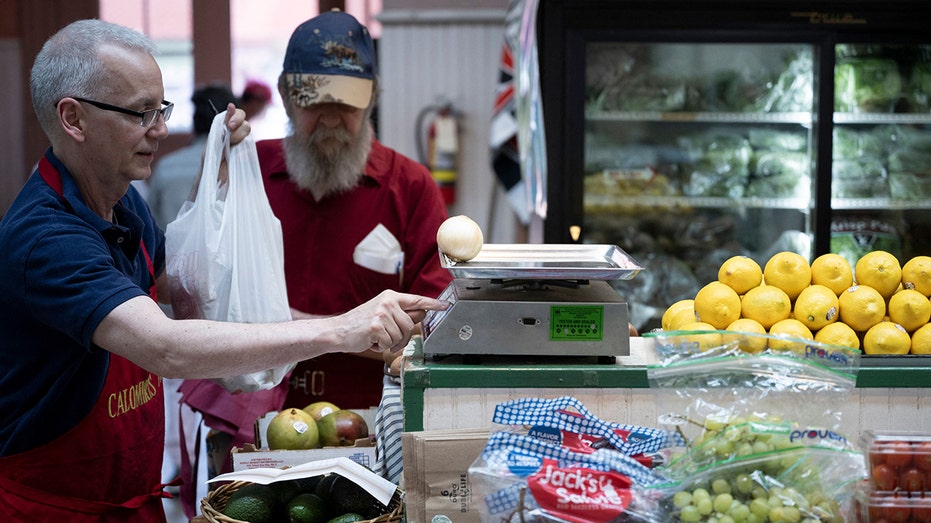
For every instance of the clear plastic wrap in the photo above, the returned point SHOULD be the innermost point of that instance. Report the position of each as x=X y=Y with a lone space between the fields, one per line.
x=706 y=375
x=761 y=429
x=553 y=460
x=812 y=484
x=522 y=478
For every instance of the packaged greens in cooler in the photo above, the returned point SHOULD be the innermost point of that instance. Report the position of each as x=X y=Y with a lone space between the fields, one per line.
x=866 y=85
x=777 y=140
x=851 y=143
x=778 y=163
x=780 y=186
x=863 y=177
x=919 y=88
x=793 y=91
x=719 y=166
x=910 y=172
x=619 y=77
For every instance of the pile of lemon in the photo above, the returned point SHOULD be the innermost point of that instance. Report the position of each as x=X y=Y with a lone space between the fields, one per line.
x=878 y=306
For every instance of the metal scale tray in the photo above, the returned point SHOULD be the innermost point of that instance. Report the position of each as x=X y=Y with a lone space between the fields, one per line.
x=534 y=299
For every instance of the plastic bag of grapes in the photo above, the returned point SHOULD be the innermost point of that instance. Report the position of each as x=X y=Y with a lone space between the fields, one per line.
x=707 y=378
x=802 y=484
x=737 y=439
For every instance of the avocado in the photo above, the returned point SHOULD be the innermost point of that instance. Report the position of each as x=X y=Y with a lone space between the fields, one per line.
x=286 y=490
x=345 y=496
x=306 y=508
x=254 y=503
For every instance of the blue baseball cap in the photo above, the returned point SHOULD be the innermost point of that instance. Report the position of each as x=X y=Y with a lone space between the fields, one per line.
x=330 y=58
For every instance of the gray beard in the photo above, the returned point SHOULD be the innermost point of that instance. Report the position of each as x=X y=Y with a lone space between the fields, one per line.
x=329 y=161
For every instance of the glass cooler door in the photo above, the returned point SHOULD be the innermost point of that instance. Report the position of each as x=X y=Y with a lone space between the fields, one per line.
x=696 y=152
x=881 y=166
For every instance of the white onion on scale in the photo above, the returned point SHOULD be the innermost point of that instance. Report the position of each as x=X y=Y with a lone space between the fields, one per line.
x=459 y=238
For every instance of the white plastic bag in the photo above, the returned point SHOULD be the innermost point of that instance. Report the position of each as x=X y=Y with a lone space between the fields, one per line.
x=225 y=254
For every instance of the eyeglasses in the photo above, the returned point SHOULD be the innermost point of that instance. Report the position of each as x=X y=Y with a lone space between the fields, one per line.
x=146 y=118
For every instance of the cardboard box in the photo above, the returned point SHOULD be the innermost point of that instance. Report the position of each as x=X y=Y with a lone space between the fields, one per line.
x=250 y=457
x=259 y=456
x=436 y=474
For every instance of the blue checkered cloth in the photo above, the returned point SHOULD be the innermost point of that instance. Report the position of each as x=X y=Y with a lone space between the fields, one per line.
x=557 y=413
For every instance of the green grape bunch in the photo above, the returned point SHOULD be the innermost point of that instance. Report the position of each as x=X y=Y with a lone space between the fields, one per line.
x=752 y=497
x=747 y=470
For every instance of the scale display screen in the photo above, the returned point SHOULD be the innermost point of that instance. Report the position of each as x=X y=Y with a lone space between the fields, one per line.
x=577 y=322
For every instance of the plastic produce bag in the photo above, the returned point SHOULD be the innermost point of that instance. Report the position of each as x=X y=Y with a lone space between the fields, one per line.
x=520 y=478
x=760 y=415
x=552 y=460
x=793 y=484
x=706 y=375
x=225 y=253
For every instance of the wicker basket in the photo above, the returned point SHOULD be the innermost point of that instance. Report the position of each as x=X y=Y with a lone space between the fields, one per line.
x=216 y=500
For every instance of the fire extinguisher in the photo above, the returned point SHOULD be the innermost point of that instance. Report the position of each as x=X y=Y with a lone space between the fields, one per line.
x=440 y=155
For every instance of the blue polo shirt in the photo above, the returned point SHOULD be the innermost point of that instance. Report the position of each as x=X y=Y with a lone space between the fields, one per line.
x=64 y=268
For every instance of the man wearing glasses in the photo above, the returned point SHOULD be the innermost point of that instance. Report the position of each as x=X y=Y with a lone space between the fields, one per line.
x=85 y=346
x=147 y=118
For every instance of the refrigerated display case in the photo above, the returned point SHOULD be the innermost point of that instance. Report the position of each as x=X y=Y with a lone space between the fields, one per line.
x=688 y=132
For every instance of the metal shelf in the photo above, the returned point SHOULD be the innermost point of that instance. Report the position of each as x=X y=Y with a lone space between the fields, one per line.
x=882 y=118
x=797 y=118
x=878 y=203
x=802 y=204
x=595 y=201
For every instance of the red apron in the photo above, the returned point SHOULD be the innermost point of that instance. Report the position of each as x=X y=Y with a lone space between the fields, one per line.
x=108 y=467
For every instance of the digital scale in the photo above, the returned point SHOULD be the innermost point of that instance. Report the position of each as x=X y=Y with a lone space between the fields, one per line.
x=534 y=300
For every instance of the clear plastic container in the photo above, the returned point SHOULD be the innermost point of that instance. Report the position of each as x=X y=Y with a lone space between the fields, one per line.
x=899 y=507
x=898 y=461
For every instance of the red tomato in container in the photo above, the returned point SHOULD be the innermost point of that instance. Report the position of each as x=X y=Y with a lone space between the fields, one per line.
x=921 y=512
x=899 y=453
x=923 y=455
x=912 y=480
x=884 y=477
x=899 y=512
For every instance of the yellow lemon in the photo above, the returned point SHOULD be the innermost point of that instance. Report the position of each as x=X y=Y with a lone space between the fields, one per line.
x=816 y=306
x=921 y=340
x=838 y=333
x=833 y=271
x=886 y=338
x=717 y=304
x=698 y=340
x=916 y=274
x=680 y=312
x=880 y=270
x=748 y=334
x=910 y=309
x=861 y=307
x=766 y=304
x=740 y=273
x=789 y=328
x=789 y=271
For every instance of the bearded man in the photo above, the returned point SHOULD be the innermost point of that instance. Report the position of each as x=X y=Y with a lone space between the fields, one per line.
x=357 y=217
